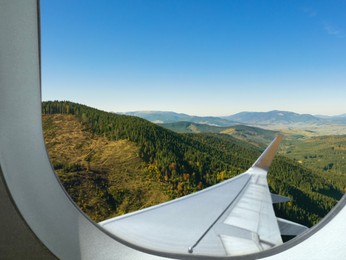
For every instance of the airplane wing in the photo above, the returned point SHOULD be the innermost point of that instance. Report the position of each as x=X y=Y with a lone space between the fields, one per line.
x=234 y=217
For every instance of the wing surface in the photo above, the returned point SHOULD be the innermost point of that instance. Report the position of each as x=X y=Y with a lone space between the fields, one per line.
x=234 y=217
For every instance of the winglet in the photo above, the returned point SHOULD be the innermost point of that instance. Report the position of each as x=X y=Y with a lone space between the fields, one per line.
x=267 y=156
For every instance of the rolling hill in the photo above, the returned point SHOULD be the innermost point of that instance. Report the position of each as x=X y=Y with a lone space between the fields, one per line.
x=113 y=164
x=191 y=127
x=256 y=136
x=272 y=120
x=274 y=117
x=161 y=117
x=339 y=119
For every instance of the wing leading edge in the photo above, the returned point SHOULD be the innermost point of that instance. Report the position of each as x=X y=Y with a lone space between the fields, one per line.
x=234 y=217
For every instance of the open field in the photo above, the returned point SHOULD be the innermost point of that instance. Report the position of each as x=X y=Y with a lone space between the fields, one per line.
x=304 y=131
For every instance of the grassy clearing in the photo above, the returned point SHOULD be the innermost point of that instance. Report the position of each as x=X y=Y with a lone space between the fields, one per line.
x=105 y=178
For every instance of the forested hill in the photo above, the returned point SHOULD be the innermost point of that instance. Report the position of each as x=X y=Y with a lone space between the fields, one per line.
x=183 y=163
x=170 y=153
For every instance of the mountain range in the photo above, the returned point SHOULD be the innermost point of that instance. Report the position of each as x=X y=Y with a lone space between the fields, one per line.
x=275 y=117
x=161 y=117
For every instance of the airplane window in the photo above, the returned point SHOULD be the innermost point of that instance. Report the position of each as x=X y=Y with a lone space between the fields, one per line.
x=145 y=102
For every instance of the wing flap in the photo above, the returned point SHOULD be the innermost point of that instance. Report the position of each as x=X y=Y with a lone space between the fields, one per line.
x=289 y=228
x=279 y=199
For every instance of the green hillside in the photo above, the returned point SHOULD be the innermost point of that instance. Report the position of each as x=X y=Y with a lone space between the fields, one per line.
x=312 y=196
x=190 y=127
x=105 y=178
x=116 y=163
x=257 y=136
x=325 y=155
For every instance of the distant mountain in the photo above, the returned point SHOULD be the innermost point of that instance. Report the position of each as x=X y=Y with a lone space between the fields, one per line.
x=160 y=117
x=274 y=117
x=339 y=119
x=322 y=116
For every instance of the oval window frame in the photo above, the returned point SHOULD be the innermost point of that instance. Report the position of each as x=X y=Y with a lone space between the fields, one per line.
x=37 y=194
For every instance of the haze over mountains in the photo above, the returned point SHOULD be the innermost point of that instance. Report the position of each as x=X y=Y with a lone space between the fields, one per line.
x=160 y=117
x=274 y=117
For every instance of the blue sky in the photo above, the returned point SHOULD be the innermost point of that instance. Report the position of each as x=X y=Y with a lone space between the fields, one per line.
x=200 y=57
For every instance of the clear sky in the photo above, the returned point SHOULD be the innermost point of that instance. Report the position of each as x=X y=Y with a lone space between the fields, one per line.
x=200 y=57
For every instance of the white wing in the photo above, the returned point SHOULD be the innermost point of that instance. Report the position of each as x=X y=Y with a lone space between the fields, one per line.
x=232 y=218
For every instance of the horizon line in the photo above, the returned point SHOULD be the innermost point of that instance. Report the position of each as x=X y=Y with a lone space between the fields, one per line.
x=185 y=113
